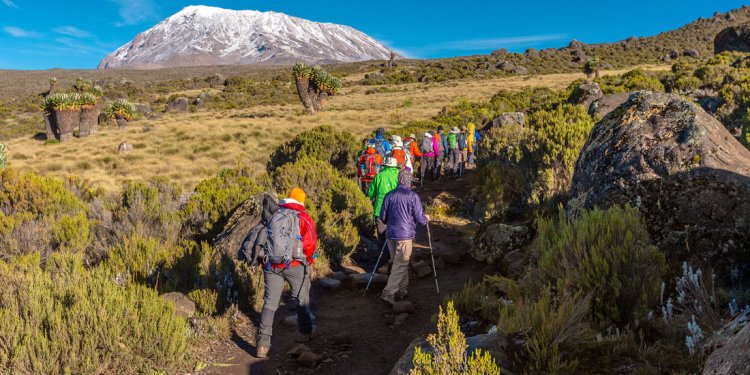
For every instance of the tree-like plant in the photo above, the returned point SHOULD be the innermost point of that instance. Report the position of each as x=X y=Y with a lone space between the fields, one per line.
x=65 y=108
x=314 y=86
x=122 y=111
x=88 y=117
x=591 y=68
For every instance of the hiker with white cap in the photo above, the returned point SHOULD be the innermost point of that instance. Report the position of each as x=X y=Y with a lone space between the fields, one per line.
x=385 y=181
x=399 y=153
x=430 y=151
x=454 y=151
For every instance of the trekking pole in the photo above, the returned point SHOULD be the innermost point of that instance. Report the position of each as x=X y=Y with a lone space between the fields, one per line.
x=375 y=268
x=432 y=256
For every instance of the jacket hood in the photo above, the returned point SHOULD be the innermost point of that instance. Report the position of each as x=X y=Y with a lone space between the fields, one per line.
x=270 y=206
x=292 y=204
x=380 y=132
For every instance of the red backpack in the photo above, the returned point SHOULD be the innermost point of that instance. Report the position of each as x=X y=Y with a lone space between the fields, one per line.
x=370 y=166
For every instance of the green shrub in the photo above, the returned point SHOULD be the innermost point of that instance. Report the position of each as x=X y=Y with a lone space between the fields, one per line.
x=215 y=198
x=206 y=301
x=340 y=210
x=148 y=209
x=605 y=254
x=3 y=156
x=324 y=143
x=448 y=355
x=69 y=320
x=141 y=259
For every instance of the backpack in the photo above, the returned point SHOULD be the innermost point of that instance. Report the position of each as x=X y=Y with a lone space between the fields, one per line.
x=252 y=247
x=380 y=146
x=400 y=157
x=452 y=141
x=370 y=166
x=407 y=147
x=440 y=143
x=284 y=242
x=461 y=139
x=426 y=145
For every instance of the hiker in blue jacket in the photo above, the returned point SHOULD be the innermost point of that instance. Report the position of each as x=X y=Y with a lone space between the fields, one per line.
x=382 y=146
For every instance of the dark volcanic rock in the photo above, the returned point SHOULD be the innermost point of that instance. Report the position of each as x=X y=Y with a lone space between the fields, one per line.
x=729 y=349
x=735 y=38
x=181 y=104
x=509 y=118
x=585 y=94
x=681 y=168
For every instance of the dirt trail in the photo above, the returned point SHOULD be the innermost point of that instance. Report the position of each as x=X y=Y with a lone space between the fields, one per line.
x=346 y=314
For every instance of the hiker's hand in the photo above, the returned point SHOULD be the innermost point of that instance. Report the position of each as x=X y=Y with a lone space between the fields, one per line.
x=427 y=217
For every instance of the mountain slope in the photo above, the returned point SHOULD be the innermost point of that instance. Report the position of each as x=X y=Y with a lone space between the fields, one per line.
x=201 y=35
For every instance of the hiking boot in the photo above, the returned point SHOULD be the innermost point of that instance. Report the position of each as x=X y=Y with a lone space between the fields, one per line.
x=388 y=299
x=262 y=351
x=307 y=337
x=402 y=294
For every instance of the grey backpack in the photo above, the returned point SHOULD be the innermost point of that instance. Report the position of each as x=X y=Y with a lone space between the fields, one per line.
x=284 y=242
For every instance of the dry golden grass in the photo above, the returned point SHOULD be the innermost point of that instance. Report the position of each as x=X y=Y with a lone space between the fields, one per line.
x=192 y=146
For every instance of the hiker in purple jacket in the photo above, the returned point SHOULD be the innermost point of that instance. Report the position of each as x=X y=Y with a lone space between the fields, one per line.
x=401 y=211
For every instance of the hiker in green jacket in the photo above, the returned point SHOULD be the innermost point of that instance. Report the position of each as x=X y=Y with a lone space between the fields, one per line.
x=385 y=181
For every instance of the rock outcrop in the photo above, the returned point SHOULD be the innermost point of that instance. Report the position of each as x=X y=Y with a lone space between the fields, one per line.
x=729 y=349
x=603 y=106
x=181 y=104
x=585 y=94
x=495 y=241
x=509 y=118
x=183 y=306
x=735 y=38
x=681 y=168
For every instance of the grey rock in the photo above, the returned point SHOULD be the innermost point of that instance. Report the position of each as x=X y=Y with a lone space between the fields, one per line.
x=506 y=66
x=491 y=343
x=681 y=169
x=521 y=70
x=124 y=148
x=495 y=240
x=729 y=350
x=405 y=363
x=181 y=104
x=585 y=94
x=184 y=307
x=340 y=276
x=353 y=270
x=400 y=319
x=309 y=359
x=215 y=80
x=509 y=118
x=607 y=104
x=329 y=283
x=361 y=279
x=297 y=349
x=403 y=307
x=691 y=52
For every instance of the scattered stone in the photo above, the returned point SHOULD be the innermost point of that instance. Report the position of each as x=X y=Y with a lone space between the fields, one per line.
x=509 y=119
x=494 y=241
x=681 y=168
x=361 y=279
x=181 y=104
x=735 y=38
x=500 y=53
x=308 y=359
x=297 y=349
x=506 y=66
x=184 y=307
x=402 y=307
x=340 y=276
x=585 y=94
x=490 y=343
x=400 y=319
x=422 y=268
x=215 y=80
x=691 y=52
x=607 y=104
x=329 y=283
x=124 y=148
x=521 y=70
x=353 y=270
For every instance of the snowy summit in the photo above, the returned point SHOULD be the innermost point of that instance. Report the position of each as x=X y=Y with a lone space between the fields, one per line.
x=202 y=35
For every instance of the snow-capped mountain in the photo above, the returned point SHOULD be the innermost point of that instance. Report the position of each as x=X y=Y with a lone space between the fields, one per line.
x=201 y=35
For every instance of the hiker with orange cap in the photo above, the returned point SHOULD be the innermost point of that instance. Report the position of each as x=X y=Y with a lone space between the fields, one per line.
x=289 y=252
x=370 y=163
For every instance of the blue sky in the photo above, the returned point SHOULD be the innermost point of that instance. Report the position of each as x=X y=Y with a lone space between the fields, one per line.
x=37 y=34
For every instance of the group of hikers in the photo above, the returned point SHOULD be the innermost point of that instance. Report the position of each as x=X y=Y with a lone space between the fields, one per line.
x=437 y=153
x=284 y=243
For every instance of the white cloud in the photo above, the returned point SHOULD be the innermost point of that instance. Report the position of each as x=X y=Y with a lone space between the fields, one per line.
x=10 y=4
x=72 y=31
x=135 y=11
x=488 y=43
x=18 y=32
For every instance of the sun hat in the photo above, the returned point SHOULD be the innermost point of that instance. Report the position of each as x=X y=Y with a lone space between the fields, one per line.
x=298 y=195
x=413 y=136
x=398 y=143
x=391 y=162
x=455 y=130
x=395 y=138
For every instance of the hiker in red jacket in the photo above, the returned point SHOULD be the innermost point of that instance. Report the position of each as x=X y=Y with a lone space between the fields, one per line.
x=293 y=268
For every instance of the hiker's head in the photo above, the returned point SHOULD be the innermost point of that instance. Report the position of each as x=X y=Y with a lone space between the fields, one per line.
x=298 y=195
x=412 y=136
x=404 y=177
x=440 y=128
x=463 y=128
x=371 y=150
x=429 y=133
x=395 y=138
x=455 y=130
x=391 y=162
x=397 y=143
x=380 y=132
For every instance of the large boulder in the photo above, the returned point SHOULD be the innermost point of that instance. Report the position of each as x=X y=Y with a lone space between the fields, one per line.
x=183 y=306
x=240 y=280
x=681 y=168
x=585 y=94
x=181 y=104
x=729 y=349
x=508 y=119
x=494 y=241
x=604 y=105
x=735 y=38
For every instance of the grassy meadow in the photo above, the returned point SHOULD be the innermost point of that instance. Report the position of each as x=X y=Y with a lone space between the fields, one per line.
x=188 y=147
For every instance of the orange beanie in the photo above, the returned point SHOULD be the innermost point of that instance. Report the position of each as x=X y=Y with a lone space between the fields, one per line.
x=298 y=195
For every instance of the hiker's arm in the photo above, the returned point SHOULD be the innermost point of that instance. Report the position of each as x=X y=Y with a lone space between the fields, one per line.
x=371 y=189
x=383 y=214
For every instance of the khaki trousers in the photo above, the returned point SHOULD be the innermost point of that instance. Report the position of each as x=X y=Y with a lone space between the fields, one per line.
x=398 y=280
